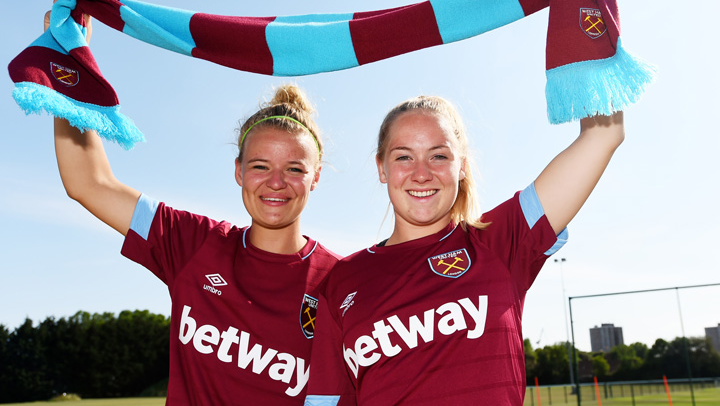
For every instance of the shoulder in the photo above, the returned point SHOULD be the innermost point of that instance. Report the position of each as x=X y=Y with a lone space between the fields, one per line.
x=323 y=251
x=153 y=214
x=346 y=267
x=523 y=205
x=507 y=208
x=358 y=256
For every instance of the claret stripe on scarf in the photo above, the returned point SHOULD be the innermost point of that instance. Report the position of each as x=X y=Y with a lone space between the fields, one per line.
x=308 y=44
x=301 y=45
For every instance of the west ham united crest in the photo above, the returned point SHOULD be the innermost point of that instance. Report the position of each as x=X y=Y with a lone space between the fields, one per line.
x=451 y=264
x=66 y=76
x=592 y=23
x=308 y=313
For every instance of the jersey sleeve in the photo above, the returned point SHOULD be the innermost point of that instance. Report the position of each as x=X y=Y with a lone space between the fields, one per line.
x=329 y=383
x=521 y=235
x=163 y=239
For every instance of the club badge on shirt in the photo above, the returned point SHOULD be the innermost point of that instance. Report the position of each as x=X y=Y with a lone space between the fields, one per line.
x=308 y=313
x=451 y=264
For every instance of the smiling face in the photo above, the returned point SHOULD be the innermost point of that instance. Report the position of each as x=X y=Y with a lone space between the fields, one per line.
x=422 y=167
x=277 y=172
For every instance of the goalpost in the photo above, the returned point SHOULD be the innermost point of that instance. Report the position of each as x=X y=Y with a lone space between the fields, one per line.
x=682 y=328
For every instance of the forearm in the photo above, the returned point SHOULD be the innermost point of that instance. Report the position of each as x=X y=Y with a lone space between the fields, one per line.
x=566 y=183
x=88 y=178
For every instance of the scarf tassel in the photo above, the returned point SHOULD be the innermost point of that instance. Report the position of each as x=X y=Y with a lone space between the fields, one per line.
x=605 y=86
x=107 y=121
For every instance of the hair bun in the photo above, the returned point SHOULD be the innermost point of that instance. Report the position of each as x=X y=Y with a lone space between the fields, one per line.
x=292 y=95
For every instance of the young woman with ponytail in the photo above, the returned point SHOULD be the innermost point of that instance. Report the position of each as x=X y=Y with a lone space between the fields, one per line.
x=433 y=314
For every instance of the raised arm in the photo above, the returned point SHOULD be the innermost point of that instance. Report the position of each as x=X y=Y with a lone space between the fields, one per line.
x=88 y=178
x=565 y=184
x=86 y=172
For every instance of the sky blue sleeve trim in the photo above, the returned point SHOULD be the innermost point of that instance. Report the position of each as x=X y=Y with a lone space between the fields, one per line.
x=561 y=240
x=317 y=400
x=171 y=31
x=530 y=204
x=460 y=19
x=302 y=48
x=143 y=216
x=533 y=210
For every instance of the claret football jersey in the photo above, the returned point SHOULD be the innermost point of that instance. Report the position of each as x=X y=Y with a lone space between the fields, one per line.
x=433 y=321
x=243 y=320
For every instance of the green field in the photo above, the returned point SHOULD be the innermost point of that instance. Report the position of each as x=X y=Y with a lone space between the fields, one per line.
x=554 y=397
x=704 y=397
x=100 y=402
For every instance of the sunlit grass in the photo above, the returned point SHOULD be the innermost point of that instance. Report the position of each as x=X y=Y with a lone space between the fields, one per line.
x=557 y=397
x=100 y=402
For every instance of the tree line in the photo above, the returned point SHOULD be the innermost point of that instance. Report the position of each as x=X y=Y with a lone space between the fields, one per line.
x=631 y=362
x=103 y=356
x=93 y=355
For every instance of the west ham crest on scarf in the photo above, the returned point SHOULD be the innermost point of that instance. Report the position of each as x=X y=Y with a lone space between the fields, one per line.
x=451 y=264
x=592 y=23
x=308 y=313
x=66 y=76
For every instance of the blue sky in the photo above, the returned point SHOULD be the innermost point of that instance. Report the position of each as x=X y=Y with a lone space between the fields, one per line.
x=649 y=224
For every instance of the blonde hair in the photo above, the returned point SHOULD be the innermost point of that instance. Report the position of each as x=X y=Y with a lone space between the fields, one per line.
x=465 y=209
x=289 y=101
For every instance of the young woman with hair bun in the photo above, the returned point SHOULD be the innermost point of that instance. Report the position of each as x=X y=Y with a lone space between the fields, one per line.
x=433 y=314
x=244 y=299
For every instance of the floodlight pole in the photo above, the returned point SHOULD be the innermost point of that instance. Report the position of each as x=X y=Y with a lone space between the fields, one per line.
x=574 y=357
x=565 y=318
x=686 y=345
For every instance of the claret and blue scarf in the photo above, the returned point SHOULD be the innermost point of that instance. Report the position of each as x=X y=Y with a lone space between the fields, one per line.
x=588 y=72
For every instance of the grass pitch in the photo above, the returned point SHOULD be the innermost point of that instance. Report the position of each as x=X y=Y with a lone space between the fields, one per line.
x=99 y=402
x=703 y=397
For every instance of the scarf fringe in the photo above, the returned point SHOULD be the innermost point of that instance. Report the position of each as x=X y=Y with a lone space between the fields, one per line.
x=107 y=121
x=588 y=88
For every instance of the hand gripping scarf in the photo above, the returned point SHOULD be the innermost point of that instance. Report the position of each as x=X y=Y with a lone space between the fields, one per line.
x=588 y=72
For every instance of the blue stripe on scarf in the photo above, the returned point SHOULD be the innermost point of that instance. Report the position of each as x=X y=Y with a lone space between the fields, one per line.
x=169 y=27
x=107 y=121
x=604 y=86
x=316 y=18
x=48 y=41
x=63 y=26
x=460 y=19
x=313 y=46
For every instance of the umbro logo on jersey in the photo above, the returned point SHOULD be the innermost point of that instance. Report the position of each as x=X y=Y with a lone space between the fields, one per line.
x=450 y=264
x=308 y=313
x=348 y=302
x=215 y=280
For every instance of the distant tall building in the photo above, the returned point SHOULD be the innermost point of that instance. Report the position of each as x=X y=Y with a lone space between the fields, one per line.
x=713 y=333
x=605 y=337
